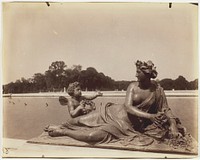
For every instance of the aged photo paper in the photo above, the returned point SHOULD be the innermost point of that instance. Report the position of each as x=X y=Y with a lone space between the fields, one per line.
x=100 y=80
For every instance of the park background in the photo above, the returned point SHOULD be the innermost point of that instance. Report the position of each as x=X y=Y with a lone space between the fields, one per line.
x=45 y=47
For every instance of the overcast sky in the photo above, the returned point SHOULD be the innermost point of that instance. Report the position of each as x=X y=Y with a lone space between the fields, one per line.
x=110 y=37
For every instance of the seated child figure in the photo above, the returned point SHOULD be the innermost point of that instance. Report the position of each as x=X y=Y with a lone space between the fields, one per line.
x=79 y=105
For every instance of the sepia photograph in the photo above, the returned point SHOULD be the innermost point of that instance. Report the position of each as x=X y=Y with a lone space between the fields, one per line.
x=100 y=80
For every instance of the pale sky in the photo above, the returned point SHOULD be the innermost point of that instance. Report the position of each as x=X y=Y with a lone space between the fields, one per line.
x=110 y=37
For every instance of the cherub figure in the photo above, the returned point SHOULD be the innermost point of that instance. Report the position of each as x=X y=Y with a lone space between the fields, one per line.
x=79 y=105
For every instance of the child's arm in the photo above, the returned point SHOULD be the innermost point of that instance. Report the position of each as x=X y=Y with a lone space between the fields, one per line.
x=97 y=94
x=77 y=111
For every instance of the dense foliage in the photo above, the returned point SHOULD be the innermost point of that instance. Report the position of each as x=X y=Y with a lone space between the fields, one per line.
x=58 y=77
x=179 y=84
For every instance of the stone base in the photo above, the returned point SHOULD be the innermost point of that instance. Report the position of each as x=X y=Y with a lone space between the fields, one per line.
x=156 y=146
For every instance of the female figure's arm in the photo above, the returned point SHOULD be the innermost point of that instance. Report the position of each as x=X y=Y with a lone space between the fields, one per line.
x=173 y=125
x=173 y=128
x=169 y=115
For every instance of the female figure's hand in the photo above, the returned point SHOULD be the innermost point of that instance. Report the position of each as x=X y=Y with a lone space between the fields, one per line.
x=158 y=118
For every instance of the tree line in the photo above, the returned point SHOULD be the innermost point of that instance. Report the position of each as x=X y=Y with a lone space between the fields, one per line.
x=58 y=77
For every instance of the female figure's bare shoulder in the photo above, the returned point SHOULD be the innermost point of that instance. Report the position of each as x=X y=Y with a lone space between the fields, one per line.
x=132 y=86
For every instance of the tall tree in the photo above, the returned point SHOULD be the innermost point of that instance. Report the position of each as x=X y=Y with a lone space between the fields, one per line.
x=55 y=74
x=167 y=84
x=77 y=67
x=58 y=66
x=181 y=83
x=39 y=81
x=193 y=85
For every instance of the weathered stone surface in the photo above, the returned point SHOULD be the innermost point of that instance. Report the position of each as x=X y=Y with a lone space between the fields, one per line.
x=155 y=146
